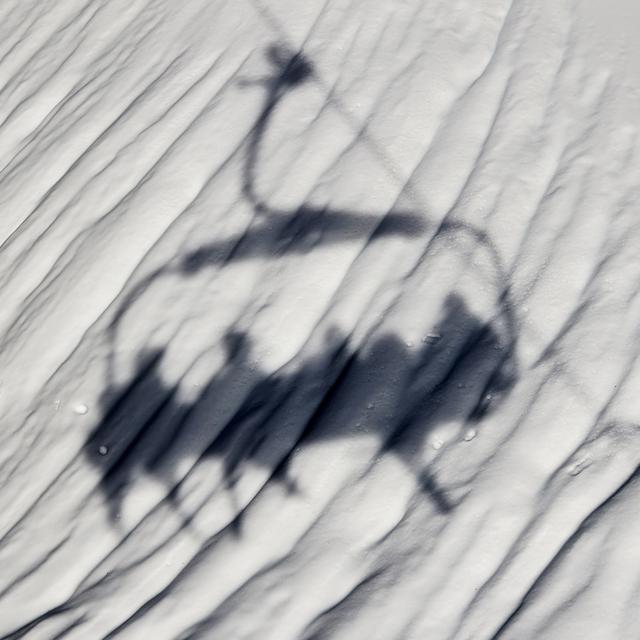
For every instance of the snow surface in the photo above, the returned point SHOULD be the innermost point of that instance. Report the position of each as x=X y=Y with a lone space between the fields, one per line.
x=319 y=320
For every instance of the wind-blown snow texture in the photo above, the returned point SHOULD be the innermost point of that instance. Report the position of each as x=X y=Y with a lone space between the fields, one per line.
x=319 y=320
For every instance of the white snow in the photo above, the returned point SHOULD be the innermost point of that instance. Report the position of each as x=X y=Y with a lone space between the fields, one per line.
x=319 y=320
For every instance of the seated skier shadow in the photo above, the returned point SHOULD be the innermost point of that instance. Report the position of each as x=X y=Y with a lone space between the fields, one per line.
x=386 y=389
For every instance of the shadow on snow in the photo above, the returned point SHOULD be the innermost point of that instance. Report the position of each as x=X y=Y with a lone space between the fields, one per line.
x=396 y=392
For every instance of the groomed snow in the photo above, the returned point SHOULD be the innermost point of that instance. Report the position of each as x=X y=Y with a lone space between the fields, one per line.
x=320 y=320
